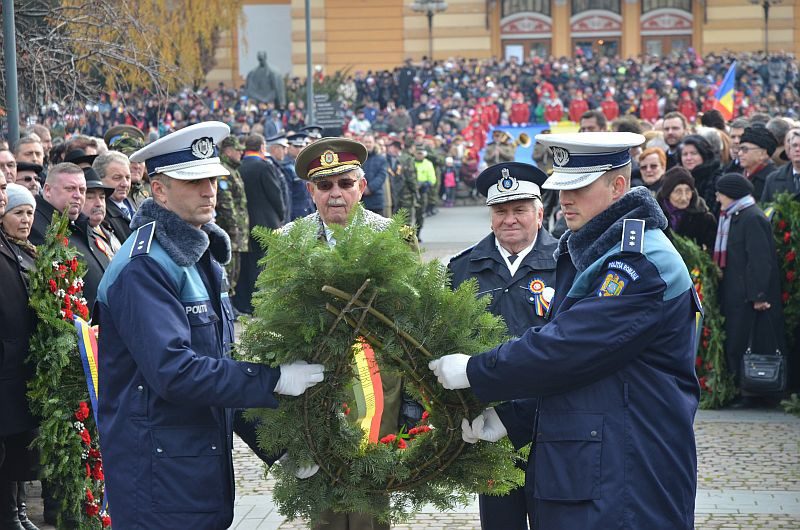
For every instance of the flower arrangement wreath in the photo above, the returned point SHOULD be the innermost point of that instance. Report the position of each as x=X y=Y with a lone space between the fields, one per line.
x=314 y=303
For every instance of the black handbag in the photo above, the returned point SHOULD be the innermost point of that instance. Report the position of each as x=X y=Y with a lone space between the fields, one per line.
x=765 y=372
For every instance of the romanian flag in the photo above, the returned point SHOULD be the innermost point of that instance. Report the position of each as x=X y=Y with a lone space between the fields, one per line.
x=368 y=390
x=725 y=92
x=87 y=347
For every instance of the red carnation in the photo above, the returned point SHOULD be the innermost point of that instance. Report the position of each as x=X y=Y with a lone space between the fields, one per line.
x=790 y=256
x=703 y=384
x=781 y=225
x=88 y=470
x=790 y=275
x=64 y=241
x=83 y=411
x=787 y=236
x=68 y=315
x=89 y=496
x=785 y=297
x=94 y=454
x=97 y=471
x=53 y=286
x=698 y=361
x=706 y=332
x=389 y=438
x=425 y=415
x=85 y=437
x=705 y=344
x=401 y=444
x=92 y=509
x=106 y=520
x=73 y=265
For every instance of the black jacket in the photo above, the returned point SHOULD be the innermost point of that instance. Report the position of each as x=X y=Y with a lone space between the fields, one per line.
x=697 y=223
x=116 y=221
x=18 y=323
x=265 y=205
x=779 y=181
x=705 y=180
x=81 y=237
x=759 y=178
x=511 y=297
x=751 y=275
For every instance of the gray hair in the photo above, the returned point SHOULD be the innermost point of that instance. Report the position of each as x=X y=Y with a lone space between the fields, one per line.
x=101 y=163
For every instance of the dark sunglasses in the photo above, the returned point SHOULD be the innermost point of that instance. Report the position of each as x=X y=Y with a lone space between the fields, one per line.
x=27 y=179
x=327 y=185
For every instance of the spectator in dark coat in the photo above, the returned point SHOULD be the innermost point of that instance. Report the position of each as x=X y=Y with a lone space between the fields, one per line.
x=265 y=207
x=65 y=192
x=786 y=178
x=755 y=151
x=750 y=291
x=697 y=155
x=686 y=212
x=375 y=170
x=18 y=426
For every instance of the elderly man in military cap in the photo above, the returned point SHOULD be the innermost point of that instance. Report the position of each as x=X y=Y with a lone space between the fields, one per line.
x=231 y=211
x=514 y=265
x=607 y=387
x=335 y=179
x=277 y=147
x=169 y=384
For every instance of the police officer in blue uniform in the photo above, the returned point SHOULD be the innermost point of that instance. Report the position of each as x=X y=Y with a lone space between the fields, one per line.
x=515 y=266
x=606 y=389
x=167 y=382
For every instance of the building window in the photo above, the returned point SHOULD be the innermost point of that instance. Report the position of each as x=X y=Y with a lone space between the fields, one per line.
x=512 y=7
x=579 y=6
x=651 y=5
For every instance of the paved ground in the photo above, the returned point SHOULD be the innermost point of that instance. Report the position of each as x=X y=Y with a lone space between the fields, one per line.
x=748 y=461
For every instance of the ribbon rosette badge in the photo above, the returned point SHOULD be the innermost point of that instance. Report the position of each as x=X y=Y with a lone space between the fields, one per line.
x=541 y=303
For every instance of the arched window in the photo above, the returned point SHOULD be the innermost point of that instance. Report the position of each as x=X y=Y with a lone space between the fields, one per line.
x=579 y=6
x=651 y=5
x=512 y=7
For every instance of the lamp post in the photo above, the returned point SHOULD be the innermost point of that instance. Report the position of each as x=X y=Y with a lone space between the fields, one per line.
x=430 y=8
x=766 y=4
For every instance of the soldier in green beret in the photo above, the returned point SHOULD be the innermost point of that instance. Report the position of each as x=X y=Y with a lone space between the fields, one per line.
x=232 y=206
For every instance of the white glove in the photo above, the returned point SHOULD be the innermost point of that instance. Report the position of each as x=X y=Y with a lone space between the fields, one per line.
x=297 y=377
x=302 y=472
x=487 y=426
x=451 y=371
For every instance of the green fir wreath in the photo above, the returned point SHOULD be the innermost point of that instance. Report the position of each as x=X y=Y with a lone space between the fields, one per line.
x=313 y=303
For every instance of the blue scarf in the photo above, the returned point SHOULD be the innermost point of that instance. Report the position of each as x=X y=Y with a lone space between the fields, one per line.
x=721 y=243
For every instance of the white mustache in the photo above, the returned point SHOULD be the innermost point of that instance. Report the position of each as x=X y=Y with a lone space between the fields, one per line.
x=98 y=209
x=337 y=203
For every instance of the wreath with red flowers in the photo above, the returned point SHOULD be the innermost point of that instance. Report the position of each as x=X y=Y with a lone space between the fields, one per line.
x=786 y=229
x=69 y=453
x=716 y=384
x=314 y=303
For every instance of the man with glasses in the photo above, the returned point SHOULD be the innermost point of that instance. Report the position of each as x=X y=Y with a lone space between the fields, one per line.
x=28 y=176
x=755 y=156
x=736 y=131
x=335 y=179
x=787 y=178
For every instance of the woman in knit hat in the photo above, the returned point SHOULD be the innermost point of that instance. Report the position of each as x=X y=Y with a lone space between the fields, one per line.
x=750 y=291
x=21 y=462
x=687 y=213
x=698 y=156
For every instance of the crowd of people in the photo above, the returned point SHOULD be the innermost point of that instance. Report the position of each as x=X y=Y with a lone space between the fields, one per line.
x=429 y=131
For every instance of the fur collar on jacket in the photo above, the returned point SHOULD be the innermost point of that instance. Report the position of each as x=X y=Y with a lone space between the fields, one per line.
x=604 y=231
x=183 y=242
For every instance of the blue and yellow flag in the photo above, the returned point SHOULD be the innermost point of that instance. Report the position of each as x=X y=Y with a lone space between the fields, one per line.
x=87 y=346
x=724 y=96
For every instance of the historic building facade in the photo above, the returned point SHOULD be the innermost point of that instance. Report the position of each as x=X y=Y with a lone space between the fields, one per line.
x=377 y=34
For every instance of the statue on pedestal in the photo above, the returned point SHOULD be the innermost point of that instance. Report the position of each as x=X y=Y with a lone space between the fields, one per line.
x=265 y=85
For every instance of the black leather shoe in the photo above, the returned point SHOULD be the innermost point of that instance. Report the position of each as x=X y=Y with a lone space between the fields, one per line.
x=8 y=506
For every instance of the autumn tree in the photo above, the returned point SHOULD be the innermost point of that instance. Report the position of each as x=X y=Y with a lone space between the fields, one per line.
x=70 y=50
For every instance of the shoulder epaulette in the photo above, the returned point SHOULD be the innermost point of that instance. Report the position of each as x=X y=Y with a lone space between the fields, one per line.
x=142 y=240
x=462 y=253
x=632 y=236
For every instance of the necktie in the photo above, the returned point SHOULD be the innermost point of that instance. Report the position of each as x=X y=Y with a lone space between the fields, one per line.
x=125 y=212
x=512 y=258
x=796 y=177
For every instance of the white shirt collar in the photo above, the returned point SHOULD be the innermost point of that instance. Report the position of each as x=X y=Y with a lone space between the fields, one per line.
x=513 y=267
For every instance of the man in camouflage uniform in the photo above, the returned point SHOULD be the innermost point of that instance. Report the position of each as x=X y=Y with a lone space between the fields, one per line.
x=403 y=177
x=128 y=139
x=232 y=206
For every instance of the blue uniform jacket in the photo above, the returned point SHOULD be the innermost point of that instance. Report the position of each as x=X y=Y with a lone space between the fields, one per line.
x=301 y=204
x=166 y=381
x=607 y=388
x=512 y=298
